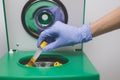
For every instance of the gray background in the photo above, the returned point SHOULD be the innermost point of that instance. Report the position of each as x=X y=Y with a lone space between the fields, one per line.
x=3 y=42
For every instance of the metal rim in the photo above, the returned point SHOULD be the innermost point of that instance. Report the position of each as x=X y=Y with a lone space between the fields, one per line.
x=44 y=23
x=45 y=60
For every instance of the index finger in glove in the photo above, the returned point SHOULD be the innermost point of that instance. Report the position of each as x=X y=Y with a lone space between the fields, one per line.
x=44 y=35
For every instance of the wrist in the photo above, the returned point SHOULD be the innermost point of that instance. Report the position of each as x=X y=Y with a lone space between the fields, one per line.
x=86 y=33
x=93 y=28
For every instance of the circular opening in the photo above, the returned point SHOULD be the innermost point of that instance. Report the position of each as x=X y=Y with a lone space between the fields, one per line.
x=45 y=18
x=45 y=61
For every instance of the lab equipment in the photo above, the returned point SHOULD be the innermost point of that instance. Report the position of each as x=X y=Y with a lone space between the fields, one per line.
x=23 y=24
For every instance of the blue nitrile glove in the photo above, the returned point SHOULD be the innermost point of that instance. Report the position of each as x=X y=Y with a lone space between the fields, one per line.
x=65 y=35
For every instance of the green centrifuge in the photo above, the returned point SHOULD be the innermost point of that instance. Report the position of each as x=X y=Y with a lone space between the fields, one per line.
x=25 y=20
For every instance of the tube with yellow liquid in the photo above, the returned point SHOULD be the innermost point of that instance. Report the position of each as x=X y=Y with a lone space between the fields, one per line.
x=37 y=54
x=39 y=51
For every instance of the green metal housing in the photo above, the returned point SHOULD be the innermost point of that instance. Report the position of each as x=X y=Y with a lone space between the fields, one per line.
x=78 y=67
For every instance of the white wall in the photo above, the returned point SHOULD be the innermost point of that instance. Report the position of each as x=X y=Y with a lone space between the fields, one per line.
x=3 y=42
x=104 y=51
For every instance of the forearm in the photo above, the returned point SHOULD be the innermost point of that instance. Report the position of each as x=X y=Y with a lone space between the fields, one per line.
x=107 y=23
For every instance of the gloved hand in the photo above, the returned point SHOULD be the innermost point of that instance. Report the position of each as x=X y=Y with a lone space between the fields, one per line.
x=65 y=35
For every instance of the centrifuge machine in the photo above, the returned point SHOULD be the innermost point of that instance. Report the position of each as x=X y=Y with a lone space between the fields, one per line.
x=25 y=20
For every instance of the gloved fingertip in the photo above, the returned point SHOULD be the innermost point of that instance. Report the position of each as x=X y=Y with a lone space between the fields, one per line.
x=50 y=47
x=39 y=42
x=45 y=50
x=58 y=23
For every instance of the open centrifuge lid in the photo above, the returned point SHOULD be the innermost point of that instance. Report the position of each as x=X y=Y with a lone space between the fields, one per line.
x=18 y=38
